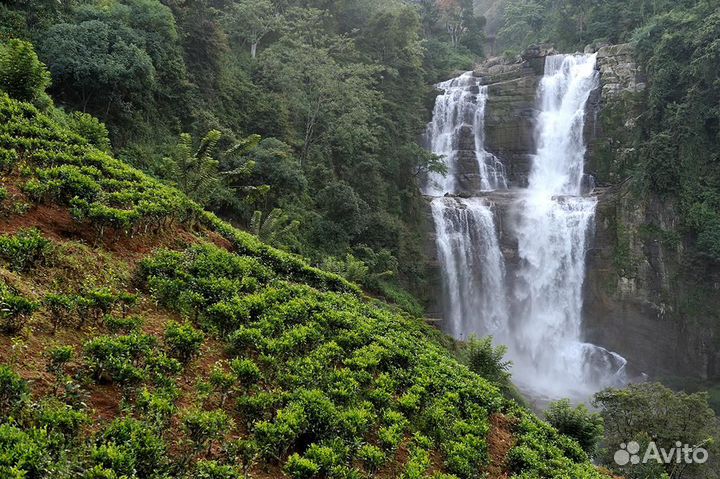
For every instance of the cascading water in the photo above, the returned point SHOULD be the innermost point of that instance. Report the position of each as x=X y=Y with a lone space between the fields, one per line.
x=473 y=267
x=537 y=311
x=458 y=118
x=553 y=225
x=472 y=263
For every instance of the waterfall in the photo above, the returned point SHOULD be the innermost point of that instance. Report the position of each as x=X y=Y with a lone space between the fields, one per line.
x=492 y=171
x=552 y=230
x=471 y=261
x=472 y=266
x=456 y=131
x=536 y=309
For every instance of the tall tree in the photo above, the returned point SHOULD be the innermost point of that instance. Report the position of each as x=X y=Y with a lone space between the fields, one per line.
x=251 y=20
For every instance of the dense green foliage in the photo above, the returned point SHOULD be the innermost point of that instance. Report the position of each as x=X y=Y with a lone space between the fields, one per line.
x=570 y=25
x=337 y=91
x=577 y=422
x=677 y=137
x=681 y=55
x=652 y=412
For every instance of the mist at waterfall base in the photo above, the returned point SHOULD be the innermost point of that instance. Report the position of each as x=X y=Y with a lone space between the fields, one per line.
x=535 y=306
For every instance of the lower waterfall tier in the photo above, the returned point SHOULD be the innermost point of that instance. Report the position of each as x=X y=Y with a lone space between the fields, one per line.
x=512 y=266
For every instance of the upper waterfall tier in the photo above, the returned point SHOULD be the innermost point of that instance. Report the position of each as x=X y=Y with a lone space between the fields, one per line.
x=564 y=90
x=456 y=134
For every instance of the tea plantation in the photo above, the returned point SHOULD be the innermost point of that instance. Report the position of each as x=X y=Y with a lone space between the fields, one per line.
x=144 y=338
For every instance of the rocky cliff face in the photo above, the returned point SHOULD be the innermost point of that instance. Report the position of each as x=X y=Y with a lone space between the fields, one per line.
x=511 y=109
x=645 y=298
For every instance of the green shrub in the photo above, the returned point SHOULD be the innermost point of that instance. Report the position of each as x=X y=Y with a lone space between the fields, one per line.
x=246 y=372
x=25 y=453
x=419 y=463
x=15 y=309
x=299 y=467
x=22 y=75
x=24 y=250
x=157 y=407
x=61 y=308
x=275 y=438
x=327 y=456
x=99 y=472
x=58 y=357
x=205 y=427
x=98 y=302
x=244 y=339
x=245 y=452
x=8 y=160
x=162 y=368
x=127 y=301
x=390 y=437
x=131 y=448
x=578 y=423
x=372 y=457
x=120 y=359
x=3 y=193
x=60 y=420
x=259 y=406
x=36 y=190
x=114 y=460
x=183 y=340
x=222 y=381
x=13 y=391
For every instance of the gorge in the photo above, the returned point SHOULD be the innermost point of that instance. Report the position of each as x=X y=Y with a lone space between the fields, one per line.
x=528 y=295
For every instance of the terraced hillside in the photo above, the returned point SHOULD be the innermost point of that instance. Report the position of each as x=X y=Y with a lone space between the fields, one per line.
x=145 y=338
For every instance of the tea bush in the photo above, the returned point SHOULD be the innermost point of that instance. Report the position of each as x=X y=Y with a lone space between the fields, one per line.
x=15 y=310
x=58 y=357
x=62 y=423
x=61 y=307
x=183 y=341
x=120 y=359
x=128 y=447
x=25 y=452
x=24 y=250
x=300 y=467
x=13 y=392
x=205 y=427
